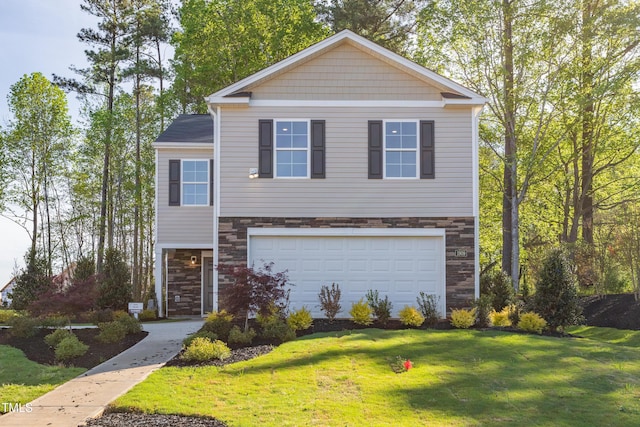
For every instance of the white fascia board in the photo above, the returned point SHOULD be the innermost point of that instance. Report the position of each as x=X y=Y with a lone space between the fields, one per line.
x=223 y=100
x=186 y=145
x=348 y=231
x=478 y=100
x=183 y=246
x=354 y=38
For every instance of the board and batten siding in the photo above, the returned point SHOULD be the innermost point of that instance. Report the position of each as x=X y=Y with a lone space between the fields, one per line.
x=345 y=73
x=346 y=191
x=181 y=224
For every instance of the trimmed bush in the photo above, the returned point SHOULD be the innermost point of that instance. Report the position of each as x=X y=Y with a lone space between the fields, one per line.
x=381 y=307
x=147 y=315
x=274 y=328
x=237 y=336
x=101 y=316
x=200 y=334
x=463 y=319
x=202 y=350
x=23 y=326
x=361 y=313
x=500 y=318
x=219 y=323
x=483 y=308
x=300 y=320
x=428 y=305
x=54 y=321
x=497 y=285
x=54 y=338
x=130 y=324
x=330 y=301
x=6 y=315
x=532 y=322
x=111 y=332
x=410 y=316
x=70 y=347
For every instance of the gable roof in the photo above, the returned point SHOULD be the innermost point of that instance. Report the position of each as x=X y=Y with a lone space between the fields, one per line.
x=188 y=128
x=452 y=93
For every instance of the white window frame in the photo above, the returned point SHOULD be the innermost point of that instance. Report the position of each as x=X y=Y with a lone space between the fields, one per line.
x=385 y=149
x=276 y=149
x=183 y=182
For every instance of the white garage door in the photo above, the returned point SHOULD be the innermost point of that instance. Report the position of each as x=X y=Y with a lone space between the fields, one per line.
x=391 y=261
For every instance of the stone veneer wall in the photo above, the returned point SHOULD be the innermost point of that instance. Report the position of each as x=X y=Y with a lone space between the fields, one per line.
x=184 y=279
x=232 y=245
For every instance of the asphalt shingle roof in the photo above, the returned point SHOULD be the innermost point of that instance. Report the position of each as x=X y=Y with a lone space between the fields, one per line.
x=189 y=128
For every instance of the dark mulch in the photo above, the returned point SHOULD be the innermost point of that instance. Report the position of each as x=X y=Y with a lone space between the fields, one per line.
x=237 y=355
x=620 y=311
x=115 y=419
x=37 y=350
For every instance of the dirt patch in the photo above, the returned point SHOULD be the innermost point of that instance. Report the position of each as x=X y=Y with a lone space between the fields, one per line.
x=37 y=350
x=620 y=311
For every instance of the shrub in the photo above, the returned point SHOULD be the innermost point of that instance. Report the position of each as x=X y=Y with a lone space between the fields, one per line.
x=483 y=308
x=410 y=316
x=428 y=304
x=101 y=316
x=200 y=334
x=147 y=315
x=70 y=347
x=23 y=326
x=237 y=336
x=53 y=321
x=556 y=298
x=111 y=332
x=31 y=281
x=500 y=318
x=54 y=338
x=77 y=297
x=514 y=311
x=330 y=301
x=463 y=319
x=6 y=315
x=274 y=328
x=361 y=312
x=532 y=322
x=496 y=284
x=114 y=288
x=300 y=320
x=202 y=350
x=381 y=307
x=130 y=323
x=219 y=323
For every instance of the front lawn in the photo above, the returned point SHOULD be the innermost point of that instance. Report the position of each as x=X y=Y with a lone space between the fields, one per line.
x=460 y=378
x=22 y=380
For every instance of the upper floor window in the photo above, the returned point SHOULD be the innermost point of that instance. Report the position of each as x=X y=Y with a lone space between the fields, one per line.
x=401 y=149
x=292 y=149
x=195 y=182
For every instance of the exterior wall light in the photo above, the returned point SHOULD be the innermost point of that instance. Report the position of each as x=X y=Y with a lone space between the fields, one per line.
x=194 y=260
x=253 y=173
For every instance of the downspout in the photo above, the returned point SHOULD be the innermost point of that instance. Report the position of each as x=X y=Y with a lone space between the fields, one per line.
x=216 y=198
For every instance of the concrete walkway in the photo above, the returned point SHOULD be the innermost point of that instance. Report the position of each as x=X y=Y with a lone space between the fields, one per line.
x=87 y=395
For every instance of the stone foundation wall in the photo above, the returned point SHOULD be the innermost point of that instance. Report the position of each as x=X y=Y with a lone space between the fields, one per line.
x=184 y=280
x=460 y=249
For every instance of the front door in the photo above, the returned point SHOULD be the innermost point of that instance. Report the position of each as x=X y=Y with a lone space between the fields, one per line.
x=207 y=284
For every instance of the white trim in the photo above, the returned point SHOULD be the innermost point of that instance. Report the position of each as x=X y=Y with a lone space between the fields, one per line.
x=181 y=145
x=359 y=104
x=157 y=268
x=182 y=182
x=216 y=199
x=335 y=40
x=275 y=148
x=203 y=246
x=347 y=231
x=401 y=150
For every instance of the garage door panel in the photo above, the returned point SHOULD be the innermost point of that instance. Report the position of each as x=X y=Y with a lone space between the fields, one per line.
x=397 y=266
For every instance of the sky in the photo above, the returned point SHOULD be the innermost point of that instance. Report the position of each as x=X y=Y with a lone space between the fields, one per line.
x=35 y=36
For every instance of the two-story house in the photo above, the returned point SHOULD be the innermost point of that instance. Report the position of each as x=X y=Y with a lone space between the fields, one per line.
x=344 y=163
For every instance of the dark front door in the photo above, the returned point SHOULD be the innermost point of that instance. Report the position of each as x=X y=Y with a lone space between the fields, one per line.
x=207 y=285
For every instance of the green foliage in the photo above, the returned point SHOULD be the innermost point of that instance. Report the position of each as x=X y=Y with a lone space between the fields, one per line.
x=54 y=321
x=300 y=319
x=101 y=316
x=500 y=318
x=483 y=308
x=114 y=289
x=202 y=350
x=556 y=298
x=147 y=315
x=238 y=337
x=7 y=314
x=275 y=328
x=361 y=312
x=330 y=300
x=200 y=334
x=70 y=347
x=54 y=338
x=531 y=322
x=23 y=326
x=428 y=304
x=31 y=282
x=111 y=332
x=381 y=307
x=85 y=268
x=496 y=284
x=219 y=323
x=463 y=319
x=130 y=324
x=410 y=316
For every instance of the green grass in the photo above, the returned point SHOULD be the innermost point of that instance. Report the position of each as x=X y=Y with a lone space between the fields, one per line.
x=22 y=380
x=460 y=378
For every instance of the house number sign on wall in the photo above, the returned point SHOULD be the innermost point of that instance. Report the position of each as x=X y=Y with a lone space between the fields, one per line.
x=461 y=253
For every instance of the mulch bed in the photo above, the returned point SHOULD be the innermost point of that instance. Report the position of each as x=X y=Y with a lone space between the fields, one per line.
x=37 y=350
x=620 y=311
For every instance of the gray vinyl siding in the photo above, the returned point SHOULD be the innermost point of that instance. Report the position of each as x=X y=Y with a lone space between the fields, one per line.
x=181 y=224
x=346 y=191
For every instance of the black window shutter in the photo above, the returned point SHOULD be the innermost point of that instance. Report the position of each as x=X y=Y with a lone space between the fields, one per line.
x=375 y=149
x=211 y=182
x=174 y=182
x=317 y=149
x=265 y=147
x=427 y=153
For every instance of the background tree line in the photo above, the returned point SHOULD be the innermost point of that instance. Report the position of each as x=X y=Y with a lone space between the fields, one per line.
x=558 y=139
